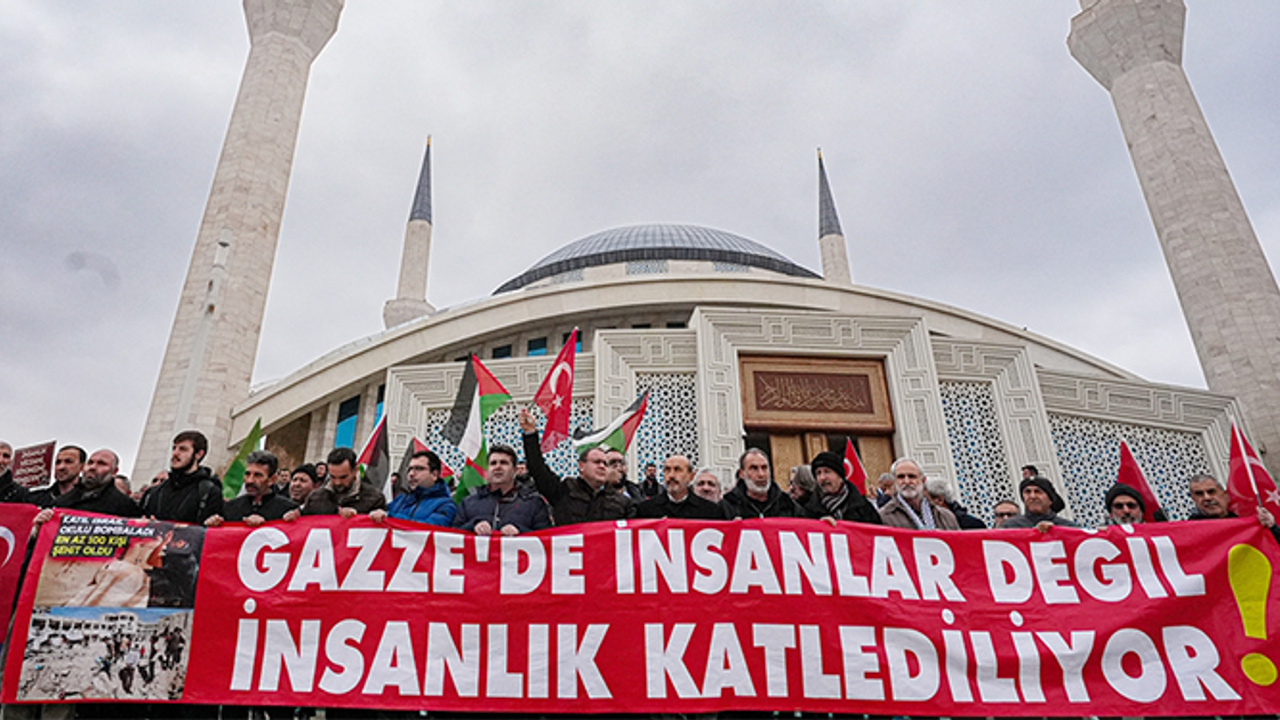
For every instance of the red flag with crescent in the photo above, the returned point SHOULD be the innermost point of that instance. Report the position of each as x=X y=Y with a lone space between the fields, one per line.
x=555 y=395
x=1248 y=482
x=853 y=469
x=1131 y=474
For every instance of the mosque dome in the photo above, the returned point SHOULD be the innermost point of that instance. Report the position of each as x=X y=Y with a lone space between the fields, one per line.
x=656 y=242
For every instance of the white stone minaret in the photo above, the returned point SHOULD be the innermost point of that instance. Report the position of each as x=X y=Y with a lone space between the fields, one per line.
x=411 y=291
x=208 y=362
x=1227 y=290
x=831 y=245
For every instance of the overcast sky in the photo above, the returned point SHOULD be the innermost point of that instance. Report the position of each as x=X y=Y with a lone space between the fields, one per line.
x=973 y=162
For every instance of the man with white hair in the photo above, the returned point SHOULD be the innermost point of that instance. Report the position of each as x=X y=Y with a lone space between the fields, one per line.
x=941 y=495
x=756 y=495
x=706 y=485
x=909 y=509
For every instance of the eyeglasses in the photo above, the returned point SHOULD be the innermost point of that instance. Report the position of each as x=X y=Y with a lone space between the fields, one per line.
x=1006 y=514
x=617 y=462
x=1124 y=506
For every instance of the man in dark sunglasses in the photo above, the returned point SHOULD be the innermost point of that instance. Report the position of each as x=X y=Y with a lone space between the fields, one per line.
x=1125 y=505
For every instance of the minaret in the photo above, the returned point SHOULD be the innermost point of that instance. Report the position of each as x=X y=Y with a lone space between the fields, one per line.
x=831 y=245
x=1228 y=294
x=208 y=362
x=411 y=292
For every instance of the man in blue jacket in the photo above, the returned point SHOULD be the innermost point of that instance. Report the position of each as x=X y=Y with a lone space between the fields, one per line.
x=427 y=500
x=502 y=506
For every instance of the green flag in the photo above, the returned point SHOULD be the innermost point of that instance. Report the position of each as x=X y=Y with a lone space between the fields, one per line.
x=233 y=480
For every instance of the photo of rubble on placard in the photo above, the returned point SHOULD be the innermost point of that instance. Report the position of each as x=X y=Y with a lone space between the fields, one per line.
x=137 y=654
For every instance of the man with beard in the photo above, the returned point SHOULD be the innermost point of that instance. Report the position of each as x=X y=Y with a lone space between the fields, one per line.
x=834 y=497
x=191 y=493
x=259 y=503
x=96 y=491
x=617 y=476
x=585 y=497
x=909 y=509
x=649 y=485
x=302 y=482
x=502 y=506
x=756 y=495
x=1042 y=503
x=678 y=501
x=344 y=493
x=1125 y=505
x=10 y=490
x=67 y=465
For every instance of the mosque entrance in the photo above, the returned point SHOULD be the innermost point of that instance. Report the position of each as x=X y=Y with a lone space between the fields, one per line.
x=796 y=407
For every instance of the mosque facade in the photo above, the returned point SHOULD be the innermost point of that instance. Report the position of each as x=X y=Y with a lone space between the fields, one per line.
x=737 y=346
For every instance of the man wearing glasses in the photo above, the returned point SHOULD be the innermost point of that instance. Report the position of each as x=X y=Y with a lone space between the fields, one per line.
x=1004 y=510
x=585 y=497
x=1125 y=505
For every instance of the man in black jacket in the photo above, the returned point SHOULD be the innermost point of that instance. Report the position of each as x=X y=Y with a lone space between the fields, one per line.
x=10 y=490
x=585 y=497
x=191 y=493
x=96 y=491
x=502 y=506
x=260 y=502
x=67 y=466
x=756 y=495
x=835 y=496
x=678 y=501
x=344 y=493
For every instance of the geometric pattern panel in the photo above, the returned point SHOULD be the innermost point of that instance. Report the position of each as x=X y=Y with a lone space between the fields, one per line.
x=977 y=446
x=670 y=426
x=503 y=428
x=1089 y=453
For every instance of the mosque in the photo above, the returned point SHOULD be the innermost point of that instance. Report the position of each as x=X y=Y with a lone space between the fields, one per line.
x=737 y=345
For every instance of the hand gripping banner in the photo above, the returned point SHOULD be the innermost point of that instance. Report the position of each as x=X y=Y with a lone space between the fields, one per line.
x=655 y=616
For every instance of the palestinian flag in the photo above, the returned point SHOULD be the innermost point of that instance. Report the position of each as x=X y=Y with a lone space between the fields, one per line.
x=617 y=434
x=233 y=478
x=479 y=396
x=415 y=446
x=375 y=459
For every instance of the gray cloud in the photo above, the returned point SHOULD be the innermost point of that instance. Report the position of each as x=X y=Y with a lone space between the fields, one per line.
x=973 y=163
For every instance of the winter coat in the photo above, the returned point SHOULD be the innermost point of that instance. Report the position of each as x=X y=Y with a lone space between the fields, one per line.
x=737 y=504
x=854 y=507
x=431 y=505
x=189 y=497
x=572 y=500
x=522 y=507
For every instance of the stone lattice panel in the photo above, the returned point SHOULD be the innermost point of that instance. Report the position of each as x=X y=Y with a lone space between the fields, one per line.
x=1147 y=405
x=902 y=343
x=503 y=427
x=1089 y=452
x=670 y=427
x=982 y=468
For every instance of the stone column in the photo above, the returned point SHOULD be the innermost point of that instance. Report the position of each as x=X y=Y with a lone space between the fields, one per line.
x=208 y=362
x=1228 y=293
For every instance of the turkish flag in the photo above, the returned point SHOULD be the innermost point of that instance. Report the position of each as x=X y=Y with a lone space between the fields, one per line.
x=555 y=395
x=1248 y=482
x=1130 y=474
x=853 y=469
x=15 y=527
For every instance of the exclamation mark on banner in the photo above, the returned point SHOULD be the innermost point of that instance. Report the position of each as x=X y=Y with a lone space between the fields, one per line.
x=1249 y=572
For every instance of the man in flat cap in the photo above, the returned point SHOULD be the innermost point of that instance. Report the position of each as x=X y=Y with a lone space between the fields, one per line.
x=835 y=497
x=1042 y=504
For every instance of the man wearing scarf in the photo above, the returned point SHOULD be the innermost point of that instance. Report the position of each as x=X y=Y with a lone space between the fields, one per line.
x=835 y=497
x=910 y=509
x=1042 y=503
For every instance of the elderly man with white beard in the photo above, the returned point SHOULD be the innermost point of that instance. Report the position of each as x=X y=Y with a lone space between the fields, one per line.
x=756 y=495
x=909 y=509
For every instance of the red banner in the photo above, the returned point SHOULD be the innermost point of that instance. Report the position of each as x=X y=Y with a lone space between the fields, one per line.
x=657 y=617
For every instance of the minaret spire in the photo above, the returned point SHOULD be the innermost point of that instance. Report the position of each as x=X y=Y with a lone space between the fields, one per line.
x=1229 y=297
x=831 y=244
x=208 y=363
x=410 y=301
